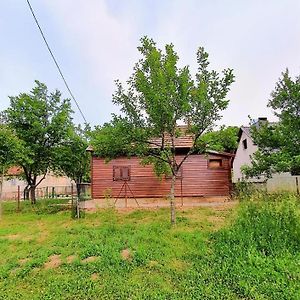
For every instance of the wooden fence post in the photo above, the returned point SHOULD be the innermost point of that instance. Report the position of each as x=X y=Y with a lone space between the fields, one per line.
x=19 y=196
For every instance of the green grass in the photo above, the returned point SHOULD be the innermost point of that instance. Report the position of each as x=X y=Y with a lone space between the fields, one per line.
x=251 y=252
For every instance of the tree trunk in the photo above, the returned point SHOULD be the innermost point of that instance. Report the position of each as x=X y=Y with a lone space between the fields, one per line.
x=78 y=189
x=32 y=194
x=26 y=193
x=172 y=201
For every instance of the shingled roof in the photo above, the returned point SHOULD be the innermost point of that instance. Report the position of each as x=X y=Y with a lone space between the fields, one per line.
x=185 y=141
x=14 y=171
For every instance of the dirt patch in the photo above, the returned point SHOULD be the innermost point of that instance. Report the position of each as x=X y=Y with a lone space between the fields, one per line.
x=14 y=271
x=35 y=270
x=155 y=203
x=71 y=258
x=23 y=261
x=15 y=237
x=225 y=206
x=54 y=262
x=12 y=237
x=126 y=254
x=217 y=221
x=89 y=259
x=94 y=277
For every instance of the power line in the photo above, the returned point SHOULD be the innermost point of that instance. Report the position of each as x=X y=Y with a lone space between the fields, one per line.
x=55 y=61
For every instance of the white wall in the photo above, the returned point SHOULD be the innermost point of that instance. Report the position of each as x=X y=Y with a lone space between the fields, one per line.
x=242 y=157
x=10 y=184
x=278 y=182
x=283 y=182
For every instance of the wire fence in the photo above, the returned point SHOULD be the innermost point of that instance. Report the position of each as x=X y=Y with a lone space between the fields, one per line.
x=50 y=199
x=49 y=192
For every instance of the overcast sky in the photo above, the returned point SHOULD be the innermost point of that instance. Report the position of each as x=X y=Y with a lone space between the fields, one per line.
x=95 y=43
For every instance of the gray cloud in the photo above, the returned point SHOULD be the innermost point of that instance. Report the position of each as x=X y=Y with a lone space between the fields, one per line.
x=96 y=42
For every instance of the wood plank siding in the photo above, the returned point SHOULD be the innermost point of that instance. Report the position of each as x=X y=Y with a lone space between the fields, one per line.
x=199 y=178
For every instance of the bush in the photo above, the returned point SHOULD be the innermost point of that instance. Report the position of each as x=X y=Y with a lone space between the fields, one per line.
x=243 y=190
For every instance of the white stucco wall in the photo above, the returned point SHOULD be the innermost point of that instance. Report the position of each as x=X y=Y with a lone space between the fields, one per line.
x=10 y=184
x=242 y=157
x=283 y=182
x=278 y=182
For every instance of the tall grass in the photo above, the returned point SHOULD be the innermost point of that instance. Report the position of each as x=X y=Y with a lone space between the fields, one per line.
x=258 y=256
x=255 y=256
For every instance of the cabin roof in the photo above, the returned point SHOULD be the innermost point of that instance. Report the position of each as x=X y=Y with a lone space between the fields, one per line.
x=14 y=171
x=185 y=141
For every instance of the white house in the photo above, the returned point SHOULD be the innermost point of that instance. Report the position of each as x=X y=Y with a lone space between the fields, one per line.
x=246 y=148
x=51 y=183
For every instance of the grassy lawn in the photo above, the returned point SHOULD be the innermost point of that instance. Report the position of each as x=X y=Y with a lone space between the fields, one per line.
x=210 y=254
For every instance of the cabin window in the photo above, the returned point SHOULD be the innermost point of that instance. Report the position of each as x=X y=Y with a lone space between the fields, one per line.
x=121 y=173
x=215 y=163
x=245 y=144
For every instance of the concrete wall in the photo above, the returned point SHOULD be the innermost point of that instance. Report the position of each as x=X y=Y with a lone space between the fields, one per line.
x=10 y=184
x=283 y=182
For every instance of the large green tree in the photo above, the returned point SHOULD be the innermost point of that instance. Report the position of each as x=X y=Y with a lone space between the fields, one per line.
x=279 y=143
x=41 y=120
x=72 y=159
x=156 y=98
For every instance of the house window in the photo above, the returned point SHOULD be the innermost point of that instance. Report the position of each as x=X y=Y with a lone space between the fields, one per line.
x=121 y=173
x=245 y=144
x=215 y=163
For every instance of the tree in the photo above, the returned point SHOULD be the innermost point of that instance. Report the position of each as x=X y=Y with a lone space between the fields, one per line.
x=225 y=139
x=279 y=143
x=41 y=120
x=158 y=96
x=72 y=159
x=10 y=149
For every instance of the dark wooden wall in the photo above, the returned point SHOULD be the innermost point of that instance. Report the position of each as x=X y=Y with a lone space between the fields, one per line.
x=197 y=178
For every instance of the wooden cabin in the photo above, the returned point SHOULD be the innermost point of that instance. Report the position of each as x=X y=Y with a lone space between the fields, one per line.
x=205 y=175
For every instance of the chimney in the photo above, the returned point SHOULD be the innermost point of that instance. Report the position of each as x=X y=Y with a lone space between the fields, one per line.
x=260 y=121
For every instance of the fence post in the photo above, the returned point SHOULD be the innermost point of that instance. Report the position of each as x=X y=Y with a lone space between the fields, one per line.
x=18 y=203
x=78 y=199
x=297 y=185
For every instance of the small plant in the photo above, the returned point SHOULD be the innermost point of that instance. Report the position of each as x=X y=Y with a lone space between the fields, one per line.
x=246 y=190
x=109 y=201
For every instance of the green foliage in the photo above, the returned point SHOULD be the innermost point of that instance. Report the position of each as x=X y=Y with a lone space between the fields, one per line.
x=159 y=95
x=71 y=158
x=270 y=225
x=224 y=140
x=279 y=144
x=244 y=190
x=256 y=257
x=10 y=147
x=41 y=121
x=114 y=139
